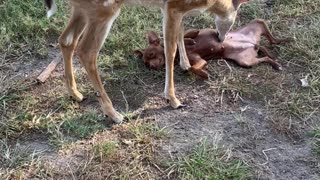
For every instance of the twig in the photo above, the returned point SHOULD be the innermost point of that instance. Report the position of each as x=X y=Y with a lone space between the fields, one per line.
x=126 y=102
x=46 y=73
x=267 y=158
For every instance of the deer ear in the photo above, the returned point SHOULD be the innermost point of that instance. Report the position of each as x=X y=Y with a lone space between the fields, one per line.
x=153 y=38
x=138 y=53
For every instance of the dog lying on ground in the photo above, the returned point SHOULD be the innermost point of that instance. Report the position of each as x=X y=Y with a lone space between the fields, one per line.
x=93 y=20
x=241 y=46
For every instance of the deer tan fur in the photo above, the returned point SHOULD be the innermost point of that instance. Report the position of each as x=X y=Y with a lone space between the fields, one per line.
x=93 y=20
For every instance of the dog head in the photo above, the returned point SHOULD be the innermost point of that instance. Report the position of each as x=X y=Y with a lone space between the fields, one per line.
x=226 y=13
x=153 y=55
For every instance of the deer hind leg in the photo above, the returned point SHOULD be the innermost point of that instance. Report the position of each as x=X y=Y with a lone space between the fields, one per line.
x=93 y=38
x=184 y=61
x=68 y=42
x=171 y=24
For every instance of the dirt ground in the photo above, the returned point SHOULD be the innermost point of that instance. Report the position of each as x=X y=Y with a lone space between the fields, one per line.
x=238 y=123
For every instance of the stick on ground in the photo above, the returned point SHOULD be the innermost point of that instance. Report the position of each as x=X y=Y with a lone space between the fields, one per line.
x=46 y=73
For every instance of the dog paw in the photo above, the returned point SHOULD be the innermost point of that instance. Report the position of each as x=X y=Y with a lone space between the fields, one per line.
x=277 y=66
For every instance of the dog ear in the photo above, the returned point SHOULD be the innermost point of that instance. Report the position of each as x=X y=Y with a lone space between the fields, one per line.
x=138 y=53
x=189 y=42
x=191 y=33
x=153 y=38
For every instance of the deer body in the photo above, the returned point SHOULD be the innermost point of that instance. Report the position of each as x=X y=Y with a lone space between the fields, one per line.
x=92 y=19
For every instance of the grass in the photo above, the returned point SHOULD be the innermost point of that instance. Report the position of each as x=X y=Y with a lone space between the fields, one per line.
x=129 y=151
x=84 y=125
x=25 y=28
x=123 y=153
x=315 y=134
x=292 y=105
x=210 y=161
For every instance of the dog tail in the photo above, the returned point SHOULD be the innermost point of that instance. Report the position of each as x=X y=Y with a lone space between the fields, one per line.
x=51 y=6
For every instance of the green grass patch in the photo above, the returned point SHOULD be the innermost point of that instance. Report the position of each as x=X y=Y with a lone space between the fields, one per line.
x=24 y=26
x=209 y=161
x=84 y=125
x=315 y=134
x=106 y=149
x=141 y=130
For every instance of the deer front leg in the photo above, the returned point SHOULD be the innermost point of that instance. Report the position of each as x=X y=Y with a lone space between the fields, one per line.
x=68 y=42
x=184 y=61
x=171 y=23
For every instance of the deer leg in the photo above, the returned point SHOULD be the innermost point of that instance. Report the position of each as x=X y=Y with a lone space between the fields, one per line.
x=68 y=42
x=184 y=61
x=93 y=38
x=171 y=24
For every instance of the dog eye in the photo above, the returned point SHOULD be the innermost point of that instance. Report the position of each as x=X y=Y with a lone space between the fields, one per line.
x=151 y=54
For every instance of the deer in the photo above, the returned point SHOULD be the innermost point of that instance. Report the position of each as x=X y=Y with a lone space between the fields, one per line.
x=92 y=20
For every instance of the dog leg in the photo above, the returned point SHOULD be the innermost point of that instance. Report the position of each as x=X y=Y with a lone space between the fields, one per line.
x=245 y=62
x=171 y=24
x=273 y=63
x=265 y=51
x=184 y=61
x=93 y=38
x=68 y=42
x=267 y=33
x=197 y=68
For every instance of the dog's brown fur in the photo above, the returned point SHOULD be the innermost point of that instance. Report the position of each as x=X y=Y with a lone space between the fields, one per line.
x=93 y=19
x=241 y=46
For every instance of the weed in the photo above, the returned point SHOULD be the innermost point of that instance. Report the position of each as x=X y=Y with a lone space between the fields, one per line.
x=106 y=149
x=84 y=125
x=209 y=161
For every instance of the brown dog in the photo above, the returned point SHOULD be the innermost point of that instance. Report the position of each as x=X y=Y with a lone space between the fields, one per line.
x=241 y=46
